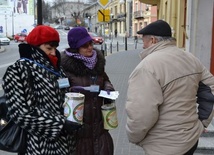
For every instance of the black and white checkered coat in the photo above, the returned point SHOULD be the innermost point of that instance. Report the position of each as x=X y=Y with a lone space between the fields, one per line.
x=35 y=102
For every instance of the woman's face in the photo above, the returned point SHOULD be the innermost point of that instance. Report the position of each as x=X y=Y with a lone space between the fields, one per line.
x=86 y=49
x=49 y=50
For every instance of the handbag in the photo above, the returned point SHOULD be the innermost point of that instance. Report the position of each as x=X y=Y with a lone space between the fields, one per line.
x=12 y=136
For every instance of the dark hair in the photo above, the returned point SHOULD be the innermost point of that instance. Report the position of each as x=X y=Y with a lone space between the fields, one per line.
x=53 y=43
x=72 y=50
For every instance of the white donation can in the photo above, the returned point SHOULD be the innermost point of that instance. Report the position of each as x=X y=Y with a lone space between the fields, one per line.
x=109 y=113
x=74 y=107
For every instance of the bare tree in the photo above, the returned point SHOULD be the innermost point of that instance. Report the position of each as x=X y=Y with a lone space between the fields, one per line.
x=65 y=11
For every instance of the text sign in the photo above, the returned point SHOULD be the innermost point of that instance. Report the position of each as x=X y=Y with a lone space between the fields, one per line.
x=103 y=15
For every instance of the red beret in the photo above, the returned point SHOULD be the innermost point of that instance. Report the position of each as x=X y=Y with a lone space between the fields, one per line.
x=42 y=34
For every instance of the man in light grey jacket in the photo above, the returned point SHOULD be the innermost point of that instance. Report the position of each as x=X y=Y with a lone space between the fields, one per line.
x=170 y=96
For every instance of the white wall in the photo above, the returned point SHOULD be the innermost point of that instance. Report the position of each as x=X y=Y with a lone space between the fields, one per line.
x=199 y=29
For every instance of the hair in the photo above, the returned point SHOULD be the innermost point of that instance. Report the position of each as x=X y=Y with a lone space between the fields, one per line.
x=73 y=50
x=162 y=38
x=53 y=43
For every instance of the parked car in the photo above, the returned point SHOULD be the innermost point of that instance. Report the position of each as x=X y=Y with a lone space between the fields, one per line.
x=96 y=39
x=20 y=37
x=4 y=40
x=58 y=27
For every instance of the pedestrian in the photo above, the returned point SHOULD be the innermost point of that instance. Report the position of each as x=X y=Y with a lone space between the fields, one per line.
x=115 y=33
x=35 y=95
x=161 y=98
x=24 y=5
x=19 y=6
x=85 y=67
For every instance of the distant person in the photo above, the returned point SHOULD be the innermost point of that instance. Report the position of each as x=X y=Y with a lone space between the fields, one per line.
x=85 y=67
x=95 y=29
x=170 y=96
x=19 y=6
x=35 y=95
x=115 y=33
x=24 y=5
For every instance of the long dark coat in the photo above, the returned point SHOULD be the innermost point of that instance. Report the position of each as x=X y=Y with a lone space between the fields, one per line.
x=92 y=139
x=35 y=102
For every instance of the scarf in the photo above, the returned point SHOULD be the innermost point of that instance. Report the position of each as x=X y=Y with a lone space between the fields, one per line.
x=53 y=60
x=89 y=62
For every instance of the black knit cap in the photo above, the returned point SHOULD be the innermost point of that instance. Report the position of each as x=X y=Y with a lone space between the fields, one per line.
x=157 y=28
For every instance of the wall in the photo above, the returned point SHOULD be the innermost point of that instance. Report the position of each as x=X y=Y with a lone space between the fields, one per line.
x=199 y=29
x=19 y=23
x=14 y=19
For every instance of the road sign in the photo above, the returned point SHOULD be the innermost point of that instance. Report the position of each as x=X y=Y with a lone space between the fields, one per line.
x=24 y=31
x=1 y=29
x=103 y=15
x=104 y=3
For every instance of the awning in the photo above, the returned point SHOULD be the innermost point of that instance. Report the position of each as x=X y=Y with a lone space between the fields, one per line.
x=151 y=2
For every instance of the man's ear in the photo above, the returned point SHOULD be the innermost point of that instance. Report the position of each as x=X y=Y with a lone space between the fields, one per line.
x=154 y=41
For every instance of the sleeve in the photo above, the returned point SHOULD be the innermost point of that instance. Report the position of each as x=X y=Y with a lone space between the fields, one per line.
x=22 y=105
x=144 y=96
x=205 y=98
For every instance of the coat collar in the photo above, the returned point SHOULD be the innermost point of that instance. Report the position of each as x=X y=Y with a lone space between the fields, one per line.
x=36 y=54
x=77 y=67
x=156 y=47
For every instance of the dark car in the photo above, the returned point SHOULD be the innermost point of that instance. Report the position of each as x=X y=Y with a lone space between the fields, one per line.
x=20 y=37
x=67 y=28
x=96 y=39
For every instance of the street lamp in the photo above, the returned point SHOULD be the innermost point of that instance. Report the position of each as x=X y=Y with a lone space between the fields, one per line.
x=39 y=12
x=5 y=23
x=125 y=26
x=12 y=24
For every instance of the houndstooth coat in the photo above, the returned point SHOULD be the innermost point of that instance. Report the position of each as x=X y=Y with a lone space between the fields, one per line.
x=35 y=102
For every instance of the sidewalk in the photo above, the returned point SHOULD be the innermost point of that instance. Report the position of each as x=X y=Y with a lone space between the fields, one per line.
x=118 y=67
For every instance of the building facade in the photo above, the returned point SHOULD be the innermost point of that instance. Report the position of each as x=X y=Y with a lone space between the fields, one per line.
x=143 y=14
x=192 y=25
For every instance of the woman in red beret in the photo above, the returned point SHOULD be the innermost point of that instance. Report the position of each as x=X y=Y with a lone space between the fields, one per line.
x=35 y=95
x=85 y=67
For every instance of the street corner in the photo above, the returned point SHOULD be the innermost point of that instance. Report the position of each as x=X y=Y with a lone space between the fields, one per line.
x=2 y=49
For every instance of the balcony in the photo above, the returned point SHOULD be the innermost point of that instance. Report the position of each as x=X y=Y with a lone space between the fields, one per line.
x=121 y=17
x=138 y=14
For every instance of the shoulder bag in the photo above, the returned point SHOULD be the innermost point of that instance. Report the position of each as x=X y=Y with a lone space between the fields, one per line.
x=12 y=136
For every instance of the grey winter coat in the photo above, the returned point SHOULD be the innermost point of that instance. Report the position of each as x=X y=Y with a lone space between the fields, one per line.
x=92 y=139
x=35 y=102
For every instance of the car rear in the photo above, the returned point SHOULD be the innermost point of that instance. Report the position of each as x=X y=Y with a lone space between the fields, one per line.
x=4 y=40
